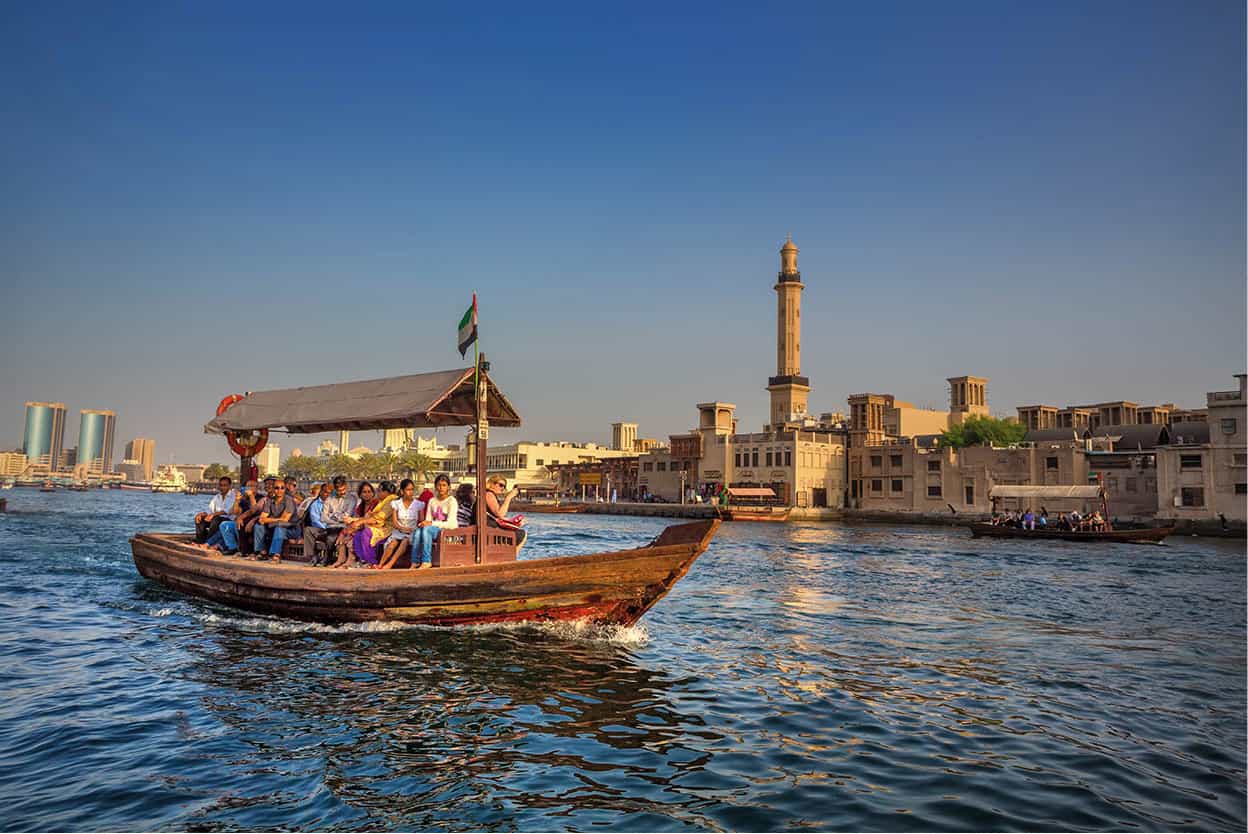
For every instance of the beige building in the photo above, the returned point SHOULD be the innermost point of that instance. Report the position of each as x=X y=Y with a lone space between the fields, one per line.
x=269 y=460
x=968 y=397
x=624 y=437
x=396 y=440
x=524 y=464
x=802 y=458
x=12 y=463
x=875 y=419
x=142 y=450
x=1206 y=474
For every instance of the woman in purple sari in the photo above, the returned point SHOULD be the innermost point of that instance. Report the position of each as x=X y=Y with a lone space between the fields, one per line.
x=377 y=527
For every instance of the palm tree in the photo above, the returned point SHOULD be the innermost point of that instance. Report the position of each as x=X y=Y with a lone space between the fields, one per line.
x=415 y=465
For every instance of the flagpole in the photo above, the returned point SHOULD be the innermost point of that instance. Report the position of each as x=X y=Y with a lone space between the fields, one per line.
x=482 y=414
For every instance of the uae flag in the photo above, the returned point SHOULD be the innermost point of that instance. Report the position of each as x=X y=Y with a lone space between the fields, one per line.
x=468 y=327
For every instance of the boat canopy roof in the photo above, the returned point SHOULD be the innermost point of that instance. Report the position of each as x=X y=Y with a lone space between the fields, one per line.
x=1028 y=491
x=751 y=492
x=440 y=398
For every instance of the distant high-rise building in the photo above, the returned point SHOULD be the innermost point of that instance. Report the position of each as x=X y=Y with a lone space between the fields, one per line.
x=344 y=441
x=95 y=440
x=45 y=434
x=396 y=439
x=269 y=461
x=623 y=436
x=142 y=451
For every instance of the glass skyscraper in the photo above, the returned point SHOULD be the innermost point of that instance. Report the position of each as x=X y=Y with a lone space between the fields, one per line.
x=45 y=434
x=95 y=440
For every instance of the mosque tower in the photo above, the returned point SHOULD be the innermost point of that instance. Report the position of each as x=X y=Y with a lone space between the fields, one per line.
x=788 y=387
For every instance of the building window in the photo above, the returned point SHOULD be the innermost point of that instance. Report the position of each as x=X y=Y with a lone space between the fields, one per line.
x=755 y=458
x=1192 y=496
x=738 y=460
x=1228 y=425
x=648 y=466
x=1050 y=463
x=877 y=485
x=1241 y=489
x=933 y=466
x=788 y=457
x=768 y=457
x=877 y=461
x=896 y=484
x=970 y=494
x=933 y=491
x=894 y=460
x=1189 y=461
x=1111 y=484
x=1239 y=460
x=540 y=462
x=1131 y=485
x=662 y=466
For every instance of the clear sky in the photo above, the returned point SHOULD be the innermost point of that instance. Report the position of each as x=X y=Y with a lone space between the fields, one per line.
x=203 y=198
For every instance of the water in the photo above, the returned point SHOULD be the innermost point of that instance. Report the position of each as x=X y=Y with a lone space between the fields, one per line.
x=801 y=676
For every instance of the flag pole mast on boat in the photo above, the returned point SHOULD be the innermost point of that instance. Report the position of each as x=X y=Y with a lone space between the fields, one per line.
x=468 y=336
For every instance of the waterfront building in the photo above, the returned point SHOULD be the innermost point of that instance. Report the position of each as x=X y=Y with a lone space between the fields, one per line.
x=12 y=463
x=526 y=464
x=96 y=430
x=326 y=448
x=44 y=436
x=1037 y=417
x=359 y=451
x=396 y=440
x=624 y=437
x=142 y=451
x=133 y=471
x=296 y=452
x=968 y=397
x=645 y=444
x=269 y=460
x=800 y=457
x=344 y=441
x=1203 y=472
x=68 y=460
x=1189 y=415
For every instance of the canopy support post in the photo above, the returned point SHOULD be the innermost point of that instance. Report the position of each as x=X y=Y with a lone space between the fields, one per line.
x=480 y=438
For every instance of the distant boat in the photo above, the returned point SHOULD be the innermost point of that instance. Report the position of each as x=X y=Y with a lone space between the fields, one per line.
x=6 y=485
x=169 y=479
x=48 y=486
x=77 y=487
x=135 y=486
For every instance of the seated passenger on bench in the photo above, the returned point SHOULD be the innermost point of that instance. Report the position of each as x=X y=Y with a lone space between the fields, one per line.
x=277 y=516
x=408 y=510
x=441 y=513
x=497 y=501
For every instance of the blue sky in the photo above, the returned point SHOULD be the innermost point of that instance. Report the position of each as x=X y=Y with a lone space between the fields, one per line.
x=208 y=198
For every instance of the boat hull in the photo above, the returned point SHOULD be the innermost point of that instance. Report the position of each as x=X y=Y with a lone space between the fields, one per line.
x=754 y=514
x=605 y=588
x=1151 y=535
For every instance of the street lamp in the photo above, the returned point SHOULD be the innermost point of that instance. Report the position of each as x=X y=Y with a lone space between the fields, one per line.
x=682 y=486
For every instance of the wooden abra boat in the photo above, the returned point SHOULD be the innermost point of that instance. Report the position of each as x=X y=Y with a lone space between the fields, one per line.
x=737 y=513
x=475 y=579
x=1032 y=494
x=614 y=588
x=753 y=504
x=1151 y=535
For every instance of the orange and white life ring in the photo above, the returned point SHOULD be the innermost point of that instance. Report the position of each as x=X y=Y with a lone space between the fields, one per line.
x=246 y=444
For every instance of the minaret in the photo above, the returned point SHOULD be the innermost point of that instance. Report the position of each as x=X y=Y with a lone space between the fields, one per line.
x=788 y=387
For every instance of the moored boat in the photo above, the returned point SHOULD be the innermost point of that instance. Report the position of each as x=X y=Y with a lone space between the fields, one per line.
x=753 y=504
x=169 y=479
x=474 y=579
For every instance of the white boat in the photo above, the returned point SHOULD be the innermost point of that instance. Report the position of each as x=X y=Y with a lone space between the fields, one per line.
x=168 y=479
x=6 y=485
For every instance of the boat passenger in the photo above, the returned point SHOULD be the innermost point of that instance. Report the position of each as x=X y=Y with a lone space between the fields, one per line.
x=219 y=509
x=277 y=517
x=338 y=507
x=497 y=501
x=247 y=520
x=408 y=510
x=466 y=497
x=1042 y=520
x=352 y=522
x=1029 y=520
x=226 y=539
x=378 y=525
x=292 y=489
x=296 y=530
x=314 y=530
x=442 y=513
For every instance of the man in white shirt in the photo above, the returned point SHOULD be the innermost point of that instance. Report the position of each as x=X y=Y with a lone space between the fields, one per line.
x=220 y=508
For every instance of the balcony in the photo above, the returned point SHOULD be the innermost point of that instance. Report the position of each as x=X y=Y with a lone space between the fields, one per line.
x=1223 y=397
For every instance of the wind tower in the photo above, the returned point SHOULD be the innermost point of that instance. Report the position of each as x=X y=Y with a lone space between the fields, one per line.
x=788 y=387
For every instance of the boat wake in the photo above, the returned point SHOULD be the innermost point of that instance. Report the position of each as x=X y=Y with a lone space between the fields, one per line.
x=576 y=630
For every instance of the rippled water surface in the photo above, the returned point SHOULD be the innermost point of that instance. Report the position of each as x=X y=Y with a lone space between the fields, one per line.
x=801 y=676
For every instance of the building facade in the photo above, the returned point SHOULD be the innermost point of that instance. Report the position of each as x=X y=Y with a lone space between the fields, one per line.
x=269 y=460
x=142 y=450
x=1204 y=475
x=96 y=431
x=44 y=437
x=624 y=437
x=12 y=463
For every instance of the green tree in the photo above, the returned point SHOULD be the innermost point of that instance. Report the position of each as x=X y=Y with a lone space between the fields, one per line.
x=983 y=431
x=217 y=471
x=300 y=467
